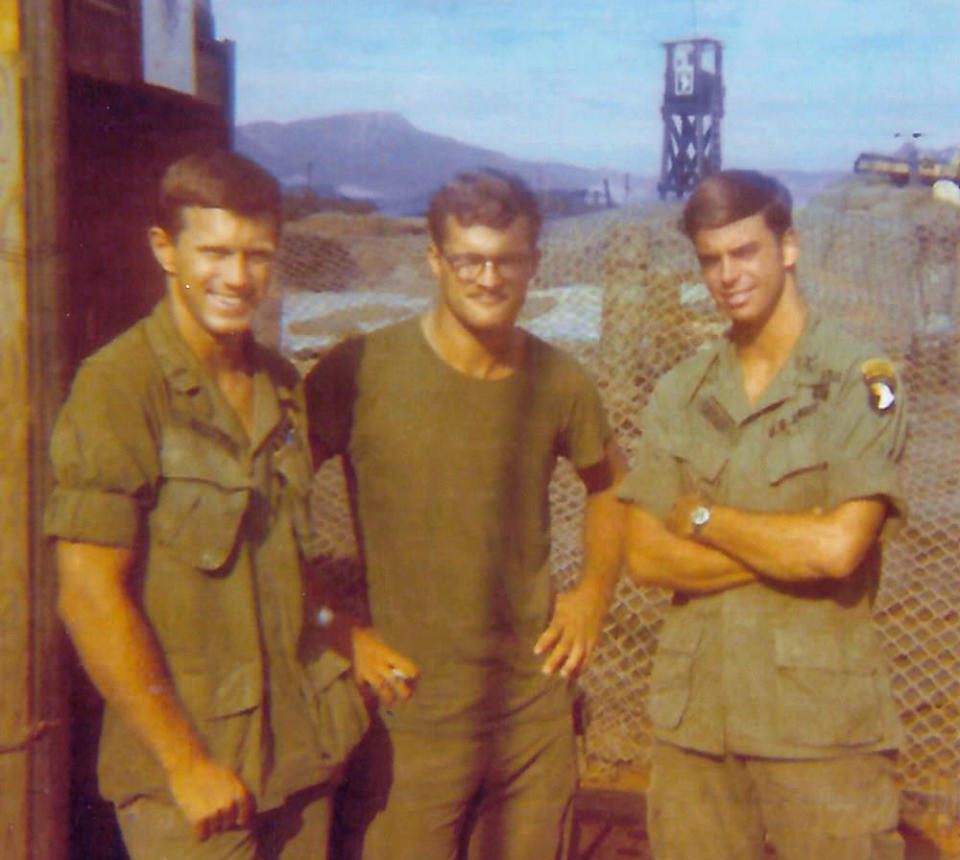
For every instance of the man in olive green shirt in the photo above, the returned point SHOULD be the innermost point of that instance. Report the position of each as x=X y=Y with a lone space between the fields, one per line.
x=179 y=511
x=451 y=426
x=766 y=474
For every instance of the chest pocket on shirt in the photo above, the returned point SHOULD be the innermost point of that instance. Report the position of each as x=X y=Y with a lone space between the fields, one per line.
x=202 y=499
x=796 y=474
x=671 y=679
x=700 y=469
x=828 y=687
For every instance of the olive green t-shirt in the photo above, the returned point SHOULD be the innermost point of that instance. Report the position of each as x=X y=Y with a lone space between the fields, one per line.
x=451 y=475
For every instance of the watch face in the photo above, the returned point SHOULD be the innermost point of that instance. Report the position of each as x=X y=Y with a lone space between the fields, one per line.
x=699 y=515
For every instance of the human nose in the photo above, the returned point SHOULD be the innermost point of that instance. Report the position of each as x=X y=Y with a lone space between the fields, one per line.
x=235 y=270
x=489 y=274
x=728 y=270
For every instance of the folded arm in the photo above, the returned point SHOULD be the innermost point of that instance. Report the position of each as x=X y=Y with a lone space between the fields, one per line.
x=657 y=556
x=790 y=547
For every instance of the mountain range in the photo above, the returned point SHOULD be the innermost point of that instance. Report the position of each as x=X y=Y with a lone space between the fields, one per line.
x=384 y=158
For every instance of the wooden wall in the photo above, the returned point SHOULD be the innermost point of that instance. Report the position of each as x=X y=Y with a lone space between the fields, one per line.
x=82 y=144
x=14 y=489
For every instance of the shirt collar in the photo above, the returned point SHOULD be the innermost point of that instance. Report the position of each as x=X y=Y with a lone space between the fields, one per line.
x=180 y=366
x=717 y=367
x=187 y=378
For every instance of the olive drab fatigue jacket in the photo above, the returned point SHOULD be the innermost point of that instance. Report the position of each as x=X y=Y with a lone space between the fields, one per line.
x=786 y=670
x=148 y=454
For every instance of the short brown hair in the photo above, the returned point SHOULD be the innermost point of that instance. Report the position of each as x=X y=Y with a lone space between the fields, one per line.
x=486 y=196
x=731 y=195
x=217 y=179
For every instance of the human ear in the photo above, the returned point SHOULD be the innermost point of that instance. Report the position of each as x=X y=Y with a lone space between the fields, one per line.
x=789 y=248
x=163 y=249
x=433 y=258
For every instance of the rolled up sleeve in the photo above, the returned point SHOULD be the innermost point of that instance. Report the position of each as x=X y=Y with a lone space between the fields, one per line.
x=654 y=481
x=104 y=460
x=867 y=445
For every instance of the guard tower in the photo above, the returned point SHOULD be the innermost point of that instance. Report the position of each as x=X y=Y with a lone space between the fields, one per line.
x=692 y=109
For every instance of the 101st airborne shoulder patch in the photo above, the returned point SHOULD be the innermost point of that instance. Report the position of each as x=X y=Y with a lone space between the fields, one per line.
x=881 y=383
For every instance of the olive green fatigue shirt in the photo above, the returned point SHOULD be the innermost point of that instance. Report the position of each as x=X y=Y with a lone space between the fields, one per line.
x=147 y=453
x=452 y=476
x=777 y=669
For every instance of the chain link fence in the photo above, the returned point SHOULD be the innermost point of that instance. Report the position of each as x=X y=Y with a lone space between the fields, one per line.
x=620 y=289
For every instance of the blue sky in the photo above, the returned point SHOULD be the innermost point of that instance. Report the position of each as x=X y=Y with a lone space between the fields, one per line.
x=808 y=84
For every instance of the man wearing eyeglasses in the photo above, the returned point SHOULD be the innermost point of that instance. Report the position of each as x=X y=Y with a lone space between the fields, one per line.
x=450 y=426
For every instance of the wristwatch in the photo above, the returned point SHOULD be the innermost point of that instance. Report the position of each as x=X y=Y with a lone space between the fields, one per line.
x=324 y=616
x=699 y=517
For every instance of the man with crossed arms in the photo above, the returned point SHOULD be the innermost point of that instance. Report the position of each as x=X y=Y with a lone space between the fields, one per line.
x=766 y=474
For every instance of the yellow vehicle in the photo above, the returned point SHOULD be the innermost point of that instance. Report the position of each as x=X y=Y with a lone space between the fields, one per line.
x=900 y=169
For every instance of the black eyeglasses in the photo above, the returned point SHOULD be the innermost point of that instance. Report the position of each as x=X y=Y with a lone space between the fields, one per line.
x=469 y=267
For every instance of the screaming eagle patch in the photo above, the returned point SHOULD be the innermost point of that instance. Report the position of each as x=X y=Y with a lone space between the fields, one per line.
x=881 y=383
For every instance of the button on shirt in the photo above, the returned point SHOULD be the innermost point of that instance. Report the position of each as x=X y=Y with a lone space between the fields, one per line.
x=147 y=452
x=791 y=670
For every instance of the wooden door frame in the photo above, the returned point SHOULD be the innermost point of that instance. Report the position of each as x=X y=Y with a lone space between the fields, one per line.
x=35 y=765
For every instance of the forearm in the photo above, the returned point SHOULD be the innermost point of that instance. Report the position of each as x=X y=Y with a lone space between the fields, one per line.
x=796 y=547
x=122 y=657
x=603 y=531
x=604 y=522
x=334 y=612
x=339 y=628
x=657 y=557
x=577 y=618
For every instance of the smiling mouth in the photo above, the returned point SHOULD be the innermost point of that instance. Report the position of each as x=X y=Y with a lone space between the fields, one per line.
x=490 y=298
x=737 y=299
x=229 y=301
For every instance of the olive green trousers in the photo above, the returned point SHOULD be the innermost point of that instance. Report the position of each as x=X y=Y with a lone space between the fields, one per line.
x=499 y=795
x=299 y=830
x=728 y=807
